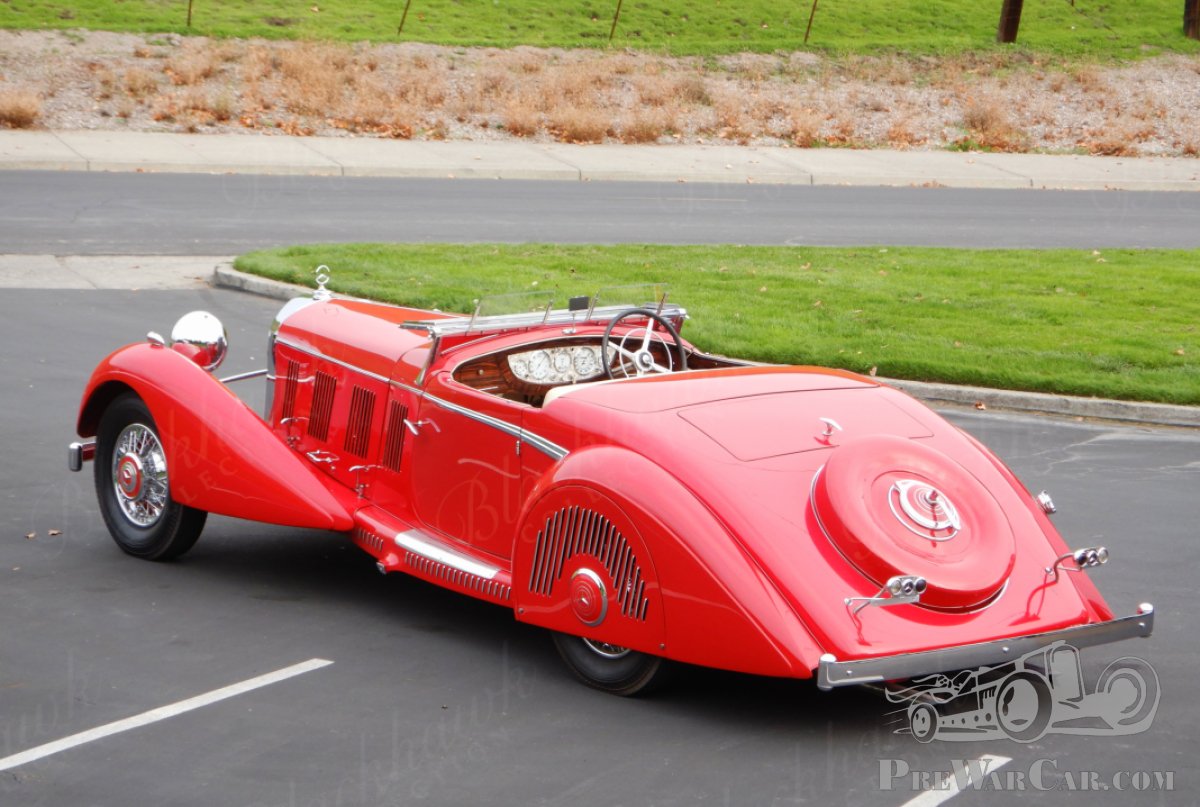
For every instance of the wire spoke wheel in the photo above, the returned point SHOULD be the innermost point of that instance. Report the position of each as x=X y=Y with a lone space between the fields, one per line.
x=133 y=485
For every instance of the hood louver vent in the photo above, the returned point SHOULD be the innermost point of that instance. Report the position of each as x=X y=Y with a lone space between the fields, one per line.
x=393 y=446
x=324 y=391
x=577 y=531
x=289 y=388
x=358 y=428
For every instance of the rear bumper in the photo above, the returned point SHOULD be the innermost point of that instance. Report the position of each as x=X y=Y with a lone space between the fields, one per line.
x=79 y=453
x=833 y=673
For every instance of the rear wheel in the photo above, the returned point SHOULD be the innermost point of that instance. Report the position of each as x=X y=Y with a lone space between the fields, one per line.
x=133 y=488
x=610 y=668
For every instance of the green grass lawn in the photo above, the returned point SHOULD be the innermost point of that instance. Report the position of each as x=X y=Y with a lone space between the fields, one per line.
x=1119 y=324
x=1086 y=29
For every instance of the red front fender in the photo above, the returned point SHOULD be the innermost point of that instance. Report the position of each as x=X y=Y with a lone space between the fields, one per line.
x=221 y=457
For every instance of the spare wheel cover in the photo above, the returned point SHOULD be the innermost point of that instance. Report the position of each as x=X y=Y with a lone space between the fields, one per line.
x=895 y=506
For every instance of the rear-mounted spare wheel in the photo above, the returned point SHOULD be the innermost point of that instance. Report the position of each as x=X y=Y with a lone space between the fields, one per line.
x=893 y=506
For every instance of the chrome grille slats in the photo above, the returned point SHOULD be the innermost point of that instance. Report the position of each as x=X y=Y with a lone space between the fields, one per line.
x=457 y=577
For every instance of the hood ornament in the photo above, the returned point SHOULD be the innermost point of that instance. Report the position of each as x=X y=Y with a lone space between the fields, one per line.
x=322 y=294
x=924 y=510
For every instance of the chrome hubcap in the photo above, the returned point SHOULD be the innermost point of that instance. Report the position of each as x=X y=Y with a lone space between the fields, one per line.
x=139 y=472
x=608 y=651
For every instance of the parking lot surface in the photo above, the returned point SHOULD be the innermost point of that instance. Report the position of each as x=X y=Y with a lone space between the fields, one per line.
x=432 y=698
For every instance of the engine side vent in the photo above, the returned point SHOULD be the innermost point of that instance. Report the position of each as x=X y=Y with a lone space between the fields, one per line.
x=393 y=445
x=324 y=390
x=358 y=428
x=578 y=531
x=290 y=384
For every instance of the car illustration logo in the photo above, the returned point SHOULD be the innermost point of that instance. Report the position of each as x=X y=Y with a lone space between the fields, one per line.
x=1040 y=693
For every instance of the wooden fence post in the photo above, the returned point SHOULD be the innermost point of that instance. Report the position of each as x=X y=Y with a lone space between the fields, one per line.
x=1010 y=20
x=403 y=17
x=616 y=16
x=1191 y=19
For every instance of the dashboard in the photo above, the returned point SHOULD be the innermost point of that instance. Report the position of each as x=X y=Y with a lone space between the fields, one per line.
x=557 y=365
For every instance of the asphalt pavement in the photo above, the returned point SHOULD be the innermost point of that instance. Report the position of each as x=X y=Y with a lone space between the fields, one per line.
x=432 y=698
x=349 y=157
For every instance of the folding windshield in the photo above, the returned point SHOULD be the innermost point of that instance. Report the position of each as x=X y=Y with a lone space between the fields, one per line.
x=532 y=309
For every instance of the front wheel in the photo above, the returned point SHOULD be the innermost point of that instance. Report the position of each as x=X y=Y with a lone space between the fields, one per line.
x=610 y=668
x=133 y=488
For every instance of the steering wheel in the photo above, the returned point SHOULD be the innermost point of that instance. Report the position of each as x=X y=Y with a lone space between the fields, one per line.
x=638 y=357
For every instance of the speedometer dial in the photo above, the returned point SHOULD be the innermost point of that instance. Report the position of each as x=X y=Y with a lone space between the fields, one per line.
x=539 y=366
x=585 y=362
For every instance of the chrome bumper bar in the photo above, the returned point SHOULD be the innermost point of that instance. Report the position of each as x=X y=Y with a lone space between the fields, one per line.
x=833 y=673
x=79 y=453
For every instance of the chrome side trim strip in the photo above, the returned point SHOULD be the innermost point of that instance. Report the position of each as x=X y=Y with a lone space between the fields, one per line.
x=833 y=673
x=316 y=354
x=547 y=447
x=550 y=449
x=426 y=546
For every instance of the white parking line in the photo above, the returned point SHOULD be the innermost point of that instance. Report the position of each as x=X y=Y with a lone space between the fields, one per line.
x=962 y=776
x=161 y=713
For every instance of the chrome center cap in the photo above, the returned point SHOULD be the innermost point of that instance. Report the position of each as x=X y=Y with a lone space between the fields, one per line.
x=644 y=360
x=130 y=476
x=924 y=510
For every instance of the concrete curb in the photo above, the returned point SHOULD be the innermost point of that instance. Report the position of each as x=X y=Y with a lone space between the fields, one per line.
x=372 y=157
x=225 y=276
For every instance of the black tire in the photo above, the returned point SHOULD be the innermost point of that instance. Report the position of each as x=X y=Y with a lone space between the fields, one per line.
x=1024 y=706
x=609 y=668
x=923 y=722
x=140 y=514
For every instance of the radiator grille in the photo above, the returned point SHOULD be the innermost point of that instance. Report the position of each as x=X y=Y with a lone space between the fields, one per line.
x=322 y=405
x=578 y=531
x=358 y=428
x=291 y=383
x=393 y=446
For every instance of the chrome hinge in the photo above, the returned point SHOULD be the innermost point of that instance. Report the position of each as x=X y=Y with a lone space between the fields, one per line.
x=360 y=484
x=323 y=458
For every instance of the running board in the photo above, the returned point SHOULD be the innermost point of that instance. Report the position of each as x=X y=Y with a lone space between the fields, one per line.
x=398 y=546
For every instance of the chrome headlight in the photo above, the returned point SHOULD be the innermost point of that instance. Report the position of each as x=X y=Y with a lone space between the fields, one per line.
x=202 y=338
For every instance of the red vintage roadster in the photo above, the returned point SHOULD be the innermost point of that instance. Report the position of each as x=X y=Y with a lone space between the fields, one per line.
x=596 y=473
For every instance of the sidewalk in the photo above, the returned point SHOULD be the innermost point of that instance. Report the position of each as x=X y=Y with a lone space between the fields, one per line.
x=367 y=157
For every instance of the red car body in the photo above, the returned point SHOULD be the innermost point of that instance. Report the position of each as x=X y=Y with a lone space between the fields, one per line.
x=732 y=515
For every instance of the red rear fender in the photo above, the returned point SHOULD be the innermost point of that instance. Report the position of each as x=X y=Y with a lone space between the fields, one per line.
x=718 y=609
x=221 y=457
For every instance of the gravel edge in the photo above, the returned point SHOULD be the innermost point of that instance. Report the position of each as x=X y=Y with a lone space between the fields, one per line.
x=1155 y=414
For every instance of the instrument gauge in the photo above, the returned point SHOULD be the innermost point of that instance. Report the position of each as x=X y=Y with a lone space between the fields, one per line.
x=562 y=361
x=539 y=366
x=586 y=362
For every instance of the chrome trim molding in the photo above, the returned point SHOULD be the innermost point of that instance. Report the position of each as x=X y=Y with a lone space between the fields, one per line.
x=833 y=673
x=244 y=376
x=430 y=548
x=79 y=453
x=547 y=447
x=316 y=354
